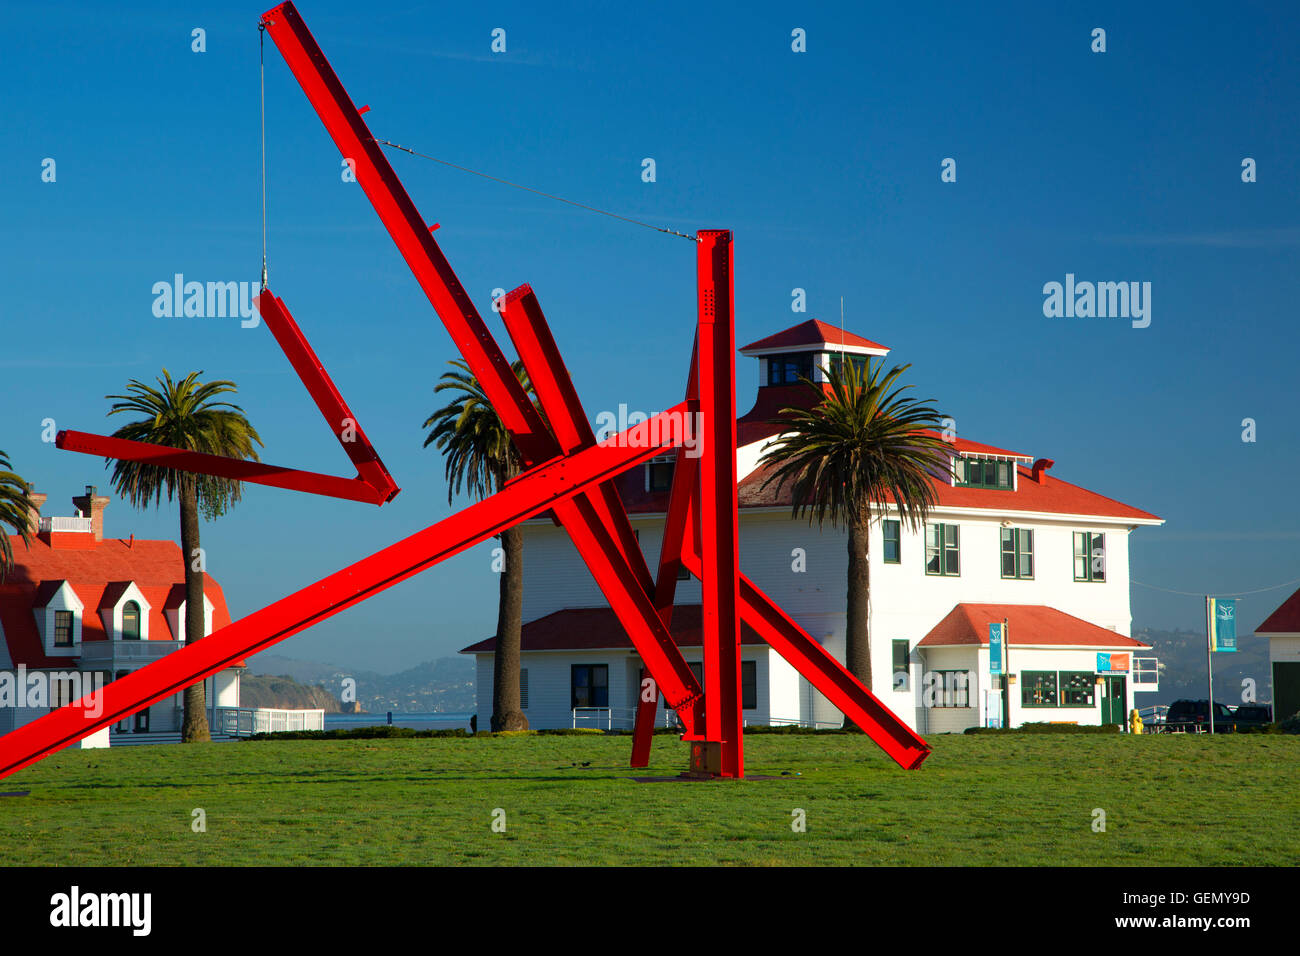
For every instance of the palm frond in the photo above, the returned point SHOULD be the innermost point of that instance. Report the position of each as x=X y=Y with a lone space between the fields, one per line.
x=15 y=505
x=865 y=443
x=479 y=455
x=182 y=414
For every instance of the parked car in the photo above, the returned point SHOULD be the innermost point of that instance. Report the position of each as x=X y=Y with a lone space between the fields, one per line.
x=1193 y=717
x=1248 y=717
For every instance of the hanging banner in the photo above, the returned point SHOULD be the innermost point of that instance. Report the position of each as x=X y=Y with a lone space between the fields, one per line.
x=1112 y=663
x=1222 y=620
x=995 y=649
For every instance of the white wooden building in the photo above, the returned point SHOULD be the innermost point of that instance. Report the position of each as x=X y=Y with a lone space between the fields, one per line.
x=1008 y=540
x=1282 y=628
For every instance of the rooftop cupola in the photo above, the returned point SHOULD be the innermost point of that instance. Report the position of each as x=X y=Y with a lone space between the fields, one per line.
x=806 y=351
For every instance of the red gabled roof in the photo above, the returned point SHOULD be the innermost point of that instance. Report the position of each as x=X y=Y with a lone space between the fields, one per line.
x=112 y=594
x=1285 y=620
x=1052 y=496
x=811 y=333
x=590 y=628
x=1031 y=624
x=95 y=574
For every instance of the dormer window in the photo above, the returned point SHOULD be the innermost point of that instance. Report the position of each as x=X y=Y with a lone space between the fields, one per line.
x=984 y=473
x=659 y=473
x=63 y=628
x=787 y=369
x=124 y=611
x=131 y=621
x=58 y=612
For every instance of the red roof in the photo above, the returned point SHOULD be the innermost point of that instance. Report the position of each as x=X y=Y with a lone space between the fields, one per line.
x=1051 y=496
x=756 y=424
x=1030 y=624
x=98 y=576
x=814 y=332
x=1285 y=620
x=590 y=628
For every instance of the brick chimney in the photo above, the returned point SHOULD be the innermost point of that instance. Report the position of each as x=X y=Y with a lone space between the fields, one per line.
x=92 y=505
x=1040 y=470
x=36 y=500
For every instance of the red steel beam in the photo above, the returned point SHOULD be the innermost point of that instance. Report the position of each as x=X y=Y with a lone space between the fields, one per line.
x=820 y=668
x=335 y=411
x=686 y=474
x=598 y=521
x=531 y=334
x=719 y=526
x=434 y=273
x=529 y=495
x=407 y=227
x=685 y=482
x=373 y=484
x=352 y=489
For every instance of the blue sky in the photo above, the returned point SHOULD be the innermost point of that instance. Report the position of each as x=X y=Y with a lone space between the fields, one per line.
x=1123 y=165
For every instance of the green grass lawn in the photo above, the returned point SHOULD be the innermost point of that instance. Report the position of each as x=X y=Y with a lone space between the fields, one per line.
x=982 y=800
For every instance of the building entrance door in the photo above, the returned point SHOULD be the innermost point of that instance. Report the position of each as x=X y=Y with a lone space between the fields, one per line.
x=1113 y=698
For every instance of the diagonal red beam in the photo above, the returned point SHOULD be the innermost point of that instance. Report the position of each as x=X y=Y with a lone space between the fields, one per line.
x=335 y=411
x=531 y=334
x=820 y=668
x=685 y=480
x=373 y=484
x=597 y=521
x=407 y=227
x=352 y=489
x=686 y=472
x=532 y=493
x=427 y=262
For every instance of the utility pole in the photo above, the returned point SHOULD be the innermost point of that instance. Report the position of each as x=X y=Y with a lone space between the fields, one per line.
x=1209 y=655
x=1006 y=675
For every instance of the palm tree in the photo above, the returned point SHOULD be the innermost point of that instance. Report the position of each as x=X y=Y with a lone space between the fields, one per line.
x=865 y=443
x=481 y=458
x=14 y=511
x=182 y=414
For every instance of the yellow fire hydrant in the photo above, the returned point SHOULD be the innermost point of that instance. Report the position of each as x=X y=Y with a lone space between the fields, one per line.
x=1134 y=721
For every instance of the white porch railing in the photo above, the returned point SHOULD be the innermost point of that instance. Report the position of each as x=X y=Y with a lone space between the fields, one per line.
x=246 y=721
x=609 y=718
x=55 y=523
x=1146 y=673
x=100 y=651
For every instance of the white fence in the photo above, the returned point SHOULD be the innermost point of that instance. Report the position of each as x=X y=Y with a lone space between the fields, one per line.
x=246 y=721
x=101 y=651
x=54 y=523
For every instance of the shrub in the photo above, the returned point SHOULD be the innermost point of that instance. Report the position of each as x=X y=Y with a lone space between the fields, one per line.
x=1049 y=729
x=381 y=731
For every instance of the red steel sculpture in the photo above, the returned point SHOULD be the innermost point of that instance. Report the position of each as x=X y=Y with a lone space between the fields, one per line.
x=567 y=472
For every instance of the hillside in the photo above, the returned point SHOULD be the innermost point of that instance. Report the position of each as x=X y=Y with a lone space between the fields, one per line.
x=443 y=686
x=1182 y=668
x=284 y=693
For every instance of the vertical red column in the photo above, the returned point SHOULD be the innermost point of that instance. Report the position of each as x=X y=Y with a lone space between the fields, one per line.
x=720 y=555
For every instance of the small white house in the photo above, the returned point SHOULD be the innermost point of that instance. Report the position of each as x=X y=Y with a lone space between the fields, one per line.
x=1006 y=541
x=1282 y=628
x=79 y=610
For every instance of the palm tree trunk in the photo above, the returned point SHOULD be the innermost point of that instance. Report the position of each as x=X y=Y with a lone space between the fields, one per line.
x=194 y=728
x=857 y=636
x=507 y=709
